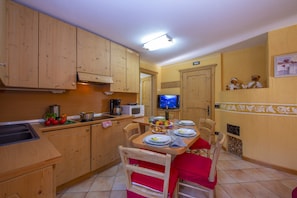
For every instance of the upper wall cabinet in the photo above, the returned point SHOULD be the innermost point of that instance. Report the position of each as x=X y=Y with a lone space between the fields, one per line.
x=57 y=54
x=124 y=69
x=93 y=53
x=22 y=40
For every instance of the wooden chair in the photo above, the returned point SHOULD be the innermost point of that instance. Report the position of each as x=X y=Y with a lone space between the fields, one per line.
x=155 y=179
x=207 y=133
x=198 y=172
x=132 y=130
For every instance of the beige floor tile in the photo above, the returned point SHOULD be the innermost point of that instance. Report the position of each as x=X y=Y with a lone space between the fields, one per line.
x=240 y=176
x=119 y=183
x=258 y=191
x=257 y=174
x=221 y=193
x=74 y=195
x=277 y=188
x=102 y=184
x=224 y=178
x=118 y=194
x=109 y=172
x=102 y=194
x=226 y=165
x=290 y=183
x=236 y=191
x=83 y=186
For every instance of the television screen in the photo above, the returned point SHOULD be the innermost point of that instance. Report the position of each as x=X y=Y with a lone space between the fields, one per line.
x=170 y=101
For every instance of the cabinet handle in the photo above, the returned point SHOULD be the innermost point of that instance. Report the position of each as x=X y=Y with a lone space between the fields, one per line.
x=3 y=64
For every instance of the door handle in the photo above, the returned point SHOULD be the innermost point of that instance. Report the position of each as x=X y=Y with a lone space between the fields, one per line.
x=208 y=110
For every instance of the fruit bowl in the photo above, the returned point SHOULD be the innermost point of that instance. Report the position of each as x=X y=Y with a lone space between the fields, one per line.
x=161 y=126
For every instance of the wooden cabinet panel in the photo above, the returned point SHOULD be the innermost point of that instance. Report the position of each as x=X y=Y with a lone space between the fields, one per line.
x=124 y=69
x=132 y=72
x=57 y=54
x=93 y=53
x=105 y=142
x=74 y=145
x=22 y=41
x=118 y=67
x=36 y=184
x=3 y=27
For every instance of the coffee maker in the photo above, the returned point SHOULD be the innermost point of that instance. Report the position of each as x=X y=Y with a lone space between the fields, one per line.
x=115 y=107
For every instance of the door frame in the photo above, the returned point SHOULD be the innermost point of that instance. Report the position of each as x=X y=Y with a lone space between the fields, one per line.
x=212 y=69
x=154 y=89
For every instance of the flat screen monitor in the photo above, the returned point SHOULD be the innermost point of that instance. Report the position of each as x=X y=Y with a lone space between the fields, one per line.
x=169 y=101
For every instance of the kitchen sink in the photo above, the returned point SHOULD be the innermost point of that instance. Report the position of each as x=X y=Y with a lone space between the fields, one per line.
x=15 y=133
x=103 y=117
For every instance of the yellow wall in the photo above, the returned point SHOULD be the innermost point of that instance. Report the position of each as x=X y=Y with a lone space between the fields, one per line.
x=266 y=116
x=244 y=63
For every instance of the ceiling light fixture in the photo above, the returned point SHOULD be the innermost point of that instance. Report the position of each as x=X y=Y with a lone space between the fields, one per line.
x=158 y=43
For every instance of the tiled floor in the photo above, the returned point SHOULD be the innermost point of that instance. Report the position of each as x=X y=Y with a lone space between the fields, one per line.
x=236 y=178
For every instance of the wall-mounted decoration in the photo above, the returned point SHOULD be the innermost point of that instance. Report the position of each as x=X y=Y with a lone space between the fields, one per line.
x=285 y=65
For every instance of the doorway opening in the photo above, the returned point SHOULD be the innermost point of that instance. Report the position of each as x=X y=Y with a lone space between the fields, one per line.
x=148 y=91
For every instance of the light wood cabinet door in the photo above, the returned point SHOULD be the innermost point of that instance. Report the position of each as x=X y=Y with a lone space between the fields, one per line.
x=57 y=54
x=105 y=142
x=38 y=184
x=132 y=72
x=118 y=67
x=74 y=145
x=3 y=27
x=124 y=69
x=93 y=53
x=22 y=43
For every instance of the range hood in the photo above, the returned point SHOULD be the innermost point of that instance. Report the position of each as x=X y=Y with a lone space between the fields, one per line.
x=87 y=77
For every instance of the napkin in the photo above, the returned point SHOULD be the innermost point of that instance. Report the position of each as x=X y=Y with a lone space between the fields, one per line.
x=107 y=123
x=178 y=142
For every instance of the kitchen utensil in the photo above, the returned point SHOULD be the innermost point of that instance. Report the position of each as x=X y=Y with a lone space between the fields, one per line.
x=55 y=110
x=86 y=116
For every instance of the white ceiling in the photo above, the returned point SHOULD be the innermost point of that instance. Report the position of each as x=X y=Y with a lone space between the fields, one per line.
x=198 y=27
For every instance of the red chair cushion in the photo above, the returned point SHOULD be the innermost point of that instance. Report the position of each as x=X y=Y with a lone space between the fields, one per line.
x=194 y=168
x=152 y=182
x=200 y=144
x=294 y=193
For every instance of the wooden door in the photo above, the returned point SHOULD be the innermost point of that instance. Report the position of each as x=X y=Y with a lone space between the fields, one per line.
x=57 y=54
x=93 y=53
x=146 y=96
x=22 y=46
x=197 y=97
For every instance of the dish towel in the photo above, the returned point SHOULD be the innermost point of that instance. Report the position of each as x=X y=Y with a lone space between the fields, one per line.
x=107 y=123
x=178 y=142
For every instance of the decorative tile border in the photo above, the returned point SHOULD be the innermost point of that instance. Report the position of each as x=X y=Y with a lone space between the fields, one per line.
x=260 y=108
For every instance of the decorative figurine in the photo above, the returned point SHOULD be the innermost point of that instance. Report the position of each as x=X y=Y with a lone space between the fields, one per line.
x=255 y=82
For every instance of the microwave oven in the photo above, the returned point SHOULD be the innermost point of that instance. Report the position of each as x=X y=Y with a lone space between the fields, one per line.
x=133 y=110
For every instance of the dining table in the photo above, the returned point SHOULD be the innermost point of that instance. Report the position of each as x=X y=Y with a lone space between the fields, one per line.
x=139 y=142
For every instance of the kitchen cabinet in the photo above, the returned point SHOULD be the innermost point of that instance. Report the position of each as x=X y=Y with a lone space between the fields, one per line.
x=39 y=183
x=124 y=69
x=93 y=53
x=74 y=145
x=3 y=26
x=22 y=42
x=57 y=54
x=173 y=113
x=105 y=142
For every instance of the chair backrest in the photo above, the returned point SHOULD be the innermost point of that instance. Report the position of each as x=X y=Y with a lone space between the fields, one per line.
x=215 y=156
x=147 y=156
x=132 y=130
x=206 y=127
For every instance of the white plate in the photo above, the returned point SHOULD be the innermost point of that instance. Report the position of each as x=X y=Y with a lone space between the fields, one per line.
x=184 y=132
x=187 y=122
x=159 y=118
x=157 y=139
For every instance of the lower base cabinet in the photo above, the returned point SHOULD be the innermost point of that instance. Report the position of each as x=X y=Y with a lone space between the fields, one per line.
x=39 y=183
x=74 y=145
x=105 y=142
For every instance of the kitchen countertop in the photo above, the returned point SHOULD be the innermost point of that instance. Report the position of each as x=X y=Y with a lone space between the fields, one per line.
x=20 y=158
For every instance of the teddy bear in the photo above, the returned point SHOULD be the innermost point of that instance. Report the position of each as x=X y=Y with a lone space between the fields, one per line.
x=235 y=84
x=255 y=82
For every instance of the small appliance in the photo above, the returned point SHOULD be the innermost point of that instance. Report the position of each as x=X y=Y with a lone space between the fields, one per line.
x=133 y=110
x=115 y=107
x=55 y=110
